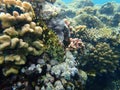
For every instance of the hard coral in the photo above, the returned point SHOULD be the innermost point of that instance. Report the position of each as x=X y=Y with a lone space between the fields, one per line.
x=16 y=14
x=88 y=20
x=105 y=60
x=31 y=54
x=21 y=37
x=102 y=53
x=75 y=43
x=107 y=8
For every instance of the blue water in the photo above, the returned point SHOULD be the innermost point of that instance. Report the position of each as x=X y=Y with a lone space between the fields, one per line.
x=95 y=1
x=104 y=1
x=67 y=1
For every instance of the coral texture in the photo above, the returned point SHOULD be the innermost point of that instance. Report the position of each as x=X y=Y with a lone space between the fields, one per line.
x=32 y=55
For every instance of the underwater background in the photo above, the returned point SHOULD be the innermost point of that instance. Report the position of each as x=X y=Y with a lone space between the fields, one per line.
x=59 y=45
x=95 y=1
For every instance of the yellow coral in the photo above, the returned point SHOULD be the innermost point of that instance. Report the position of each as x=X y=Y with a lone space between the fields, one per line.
x=38 y=30
x=19 y=60
x=33 y=25
x=38 y=44
x=7 y=19
x=25 y=29
x=27 y=6
x=15 y=13
x=14 y=42
x=12 y=57
x=11 y=31
x=11 y=2
x=102 y=32
x=31 y=28
x=19 y=3
x=9 y=71
x=4 y=41
x=80 y=27
x=23 y=44
x=1 y=59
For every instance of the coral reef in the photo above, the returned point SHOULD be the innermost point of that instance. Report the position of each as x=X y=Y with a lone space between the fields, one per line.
x=44 y=9
x=100 y=59
x=88 y=10
x=106 y=20
x=69 y=13
x=82 y=3
x=107 y=8
x=33 y=55
x=50 y=46
x=75 y=43
x=88 y=20
x=98 y=27
x=13 y=37
x=115 y=21
x=104 y=59
x=57 y=76
x=102 y=53
x=21 y=37
x=60 y=28
x=102 y=14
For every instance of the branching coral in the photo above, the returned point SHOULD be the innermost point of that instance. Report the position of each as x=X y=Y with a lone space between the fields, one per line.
x=104 y=59
x=102 y=53
x=75 y=43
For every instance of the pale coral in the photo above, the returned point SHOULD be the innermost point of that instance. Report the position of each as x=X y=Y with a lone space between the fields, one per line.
x=4 y=41
x=80 y=27
x=8 y=19
x=11 y=2
x=10 y=31
x=15 y=13
x=38 y=30
x=27 y=6
x=75 y=43
x=19 y=3
x=14 y=42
